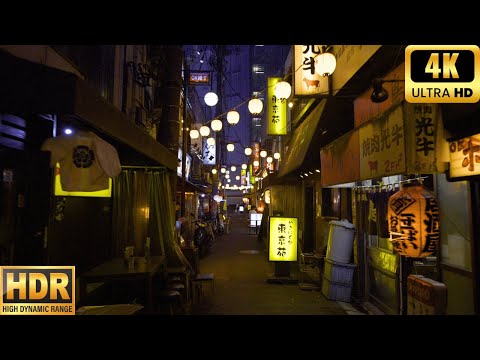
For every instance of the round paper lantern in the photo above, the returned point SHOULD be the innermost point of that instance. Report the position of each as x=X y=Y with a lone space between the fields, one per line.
x=218 y=198
x=263 y=153
x=222 y=170
x=216 y=125
x=233 y=168
x=237 y=177
x=233 y=117
x=211 y=98
x=276 y=155
x=269 y=159
x=248 y=151
x=256 y=163
x=282 y=90
x=210 y=141
x=255 y=106
x=204 y=130
x=194 y=134
x=325 y=64
x=244 y=166
x=227 y=176
x=414 y=221
x=230 y=147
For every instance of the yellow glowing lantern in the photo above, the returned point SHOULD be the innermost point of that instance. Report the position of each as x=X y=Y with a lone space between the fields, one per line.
x=233 y=117
x=248 y=151
x=255 y=106
x=194 y=134
x=216 y=125
x=413 y=221
x=204 y=130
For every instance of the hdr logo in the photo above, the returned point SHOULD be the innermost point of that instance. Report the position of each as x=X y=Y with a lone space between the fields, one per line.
x=442 y=73
x=37 y=290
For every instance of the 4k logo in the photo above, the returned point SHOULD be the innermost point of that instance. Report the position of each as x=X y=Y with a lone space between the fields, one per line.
x=442 y=74
x=37 y=290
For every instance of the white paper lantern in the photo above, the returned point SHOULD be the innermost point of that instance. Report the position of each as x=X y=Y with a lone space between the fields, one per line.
x=233 y=168
x=194 y=134
x=244 y=166
x=282 y=90
x=211 y=98
x=210 y=141
x=256 y=163
x=216 y=125
x=248 y=151
x=222 y=170
x=233 y=117
x=204 y=130
x=237 y=177
x=263 y=153
x=214 y=171
x=255 y=106
x=276 y=155
x=230 y=147
x=269 y=159
x=325 y=64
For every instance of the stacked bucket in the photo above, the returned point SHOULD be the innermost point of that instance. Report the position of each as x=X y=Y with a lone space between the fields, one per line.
x=338 y=271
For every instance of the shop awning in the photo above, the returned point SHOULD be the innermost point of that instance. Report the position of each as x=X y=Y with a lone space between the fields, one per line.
x=28 y=87
x=328 y=120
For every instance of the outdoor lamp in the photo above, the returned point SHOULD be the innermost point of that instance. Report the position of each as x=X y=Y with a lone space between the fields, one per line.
x=230 y=147
x=263 y=153
x=248 y=151
x=194 y=134
x=282 y=90
x=380 y=94
x=216 y=125
x=255 y=106
x=244 y=166
x=210 y=141
x=204 y=130
x=325 y=63
x=276 y=155
x=256 y=163
x=233 y=117
x=233 y=168
x=269 y=159
x=211 y=98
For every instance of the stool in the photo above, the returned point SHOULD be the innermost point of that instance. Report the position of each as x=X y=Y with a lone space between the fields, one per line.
x=172 y=298
x=180 y=275
x=200 y=279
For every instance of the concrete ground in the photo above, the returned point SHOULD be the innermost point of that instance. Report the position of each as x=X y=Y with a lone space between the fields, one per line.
x=241 y=269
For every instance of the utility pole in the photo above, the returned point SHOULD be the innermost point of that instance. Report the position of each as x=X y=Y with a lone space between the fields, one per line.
x=184 y=134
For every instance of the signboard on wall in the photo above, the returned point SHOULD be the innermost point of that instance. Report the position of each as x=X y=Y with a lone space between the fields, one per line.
x=306 y=80
x=465 y=156
x=382 y=145
x=276 y=110
x=283 y=238
x=58 y=191
x=209 y=153
x=188 y=164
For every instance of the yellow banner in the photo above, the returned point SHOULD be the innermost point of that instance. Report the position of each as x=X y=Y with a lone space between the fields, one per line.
x=283 y=238
x=277 y=110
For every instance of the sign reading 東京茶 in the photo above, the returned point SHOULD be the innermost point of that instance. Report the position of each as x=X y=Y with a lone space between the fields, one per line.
x=283 y=238
x=277 y=110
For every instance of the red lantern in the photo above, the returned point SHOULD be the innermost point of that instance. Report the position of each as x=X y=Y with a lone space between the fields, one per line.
x=413 y=221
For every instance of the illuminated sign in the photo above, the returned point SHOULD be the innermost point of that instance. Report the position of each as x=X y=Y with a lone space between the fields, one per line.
x=209 y=153
x=199 y=78
x=37 y=290
x=306 y=80
x=277 y=110
x=442 y=73
x=283 y=238
x=187 y=164
x=58 y=191
x=465 y=156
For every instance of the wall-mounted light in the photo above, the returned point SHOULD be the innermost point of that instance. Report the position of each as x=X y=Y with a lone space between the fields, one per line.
x=68 y=131
x=380 y=94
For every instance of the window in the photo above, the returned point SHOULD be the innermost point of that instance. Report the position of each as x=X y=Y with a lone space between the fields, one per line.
x=258 y=69
x=257 y=121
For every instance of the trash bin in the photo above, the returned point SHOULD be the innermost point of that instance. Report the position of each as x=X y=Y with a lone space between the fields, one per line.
x=340 y=241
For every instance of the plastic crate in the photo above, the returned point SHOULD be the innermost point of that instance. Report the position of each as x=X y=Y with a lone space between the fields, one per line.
x=338 y=272
x=336 y=291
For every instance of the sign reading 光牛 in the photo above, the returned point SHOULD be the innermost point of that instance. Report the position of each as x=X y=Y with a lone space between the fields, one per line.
x=37 y=290
x=283 y=238
x=306 y=79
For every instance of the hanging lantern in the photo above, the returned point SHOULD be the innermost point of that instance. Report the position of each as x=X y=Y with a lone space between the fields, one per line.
x=325 y=64
x=282 y=90
x=269 y=159
x=233 y=168
x=413 y=221
x=248 y=151
x=216 y=125
x=276 y=155
x=230 y=147
x=222 y=170
x=204 y=131
x=237 y=177
x=255 y=106
x=194 y=134
x=214 y=171
x=210 y=141
x=256 y=163
x=227 y=176
x=263 y=153
x=211 y=98
x=244 y=166
x=218 y=198
x=233 y=117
